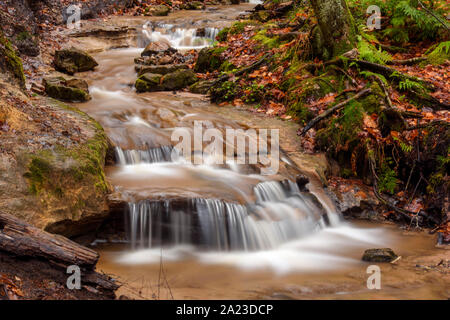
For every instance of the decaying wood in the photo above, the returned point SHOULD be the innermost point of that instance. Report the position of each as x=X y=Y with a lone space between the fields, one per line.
x=22 y=239
x=330 y=111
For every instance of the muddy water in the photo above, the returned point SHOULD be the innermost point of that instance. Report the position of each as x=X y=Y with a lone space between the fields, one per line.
x=285 y=275
x=241 y=234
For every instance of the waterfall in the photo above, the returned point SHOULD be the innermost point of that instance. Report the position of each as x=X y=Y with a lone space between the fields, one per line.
x=179 y=38
x=280 y=214
x=152 y=155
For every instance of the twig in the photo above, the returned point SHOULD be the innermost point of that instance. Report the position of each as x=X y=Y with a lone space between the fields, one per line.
x=432 y=13
x=330 y=111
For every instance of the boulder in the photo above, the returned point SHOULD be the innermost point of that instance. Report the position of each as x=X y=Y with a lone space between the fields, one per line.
x=209 y=59
x=160 y=69
x=379 y=255
x=73 y=90
x=201 y=87
x=73 y=60
x=157 y=47
x=193 y=5
x=149 y=82
x=160 y=10
x=179 y=79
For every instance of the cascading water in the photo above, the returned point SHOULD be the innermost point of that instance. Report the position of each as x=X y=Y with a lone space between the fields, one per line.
x=179 y=38
x=152 y=155
x=281 y=213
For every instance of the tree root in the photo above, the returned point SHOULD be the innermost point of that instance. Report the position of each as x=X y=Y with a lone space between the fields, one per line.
x=407 y=62
x=330 y=111
x=252 y=67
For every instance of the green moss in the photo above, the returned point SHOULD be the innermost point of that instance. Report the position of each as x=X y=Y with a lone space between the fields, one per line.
x=49 y=176
x=223 y=34
x=227 y=66
x=267 y=42
x=12 y=60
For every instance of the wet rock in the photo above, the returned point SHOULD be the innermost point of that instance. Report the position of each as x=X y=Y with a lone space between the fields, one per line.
x=302 y=181
x=193 y=5
x=201 y=87
x=179 y=79
x=209 y=59
x=165 y=60
x=160 y=69
x=379 y=255
x=157 y=47
x=73 y=60
x=73 y=90
x=149 y=82
x=160 y=10
x=165 y=114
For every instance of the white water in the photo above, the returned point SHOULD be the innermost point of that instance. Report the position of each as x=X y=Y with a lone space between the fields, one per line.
x=179 y=38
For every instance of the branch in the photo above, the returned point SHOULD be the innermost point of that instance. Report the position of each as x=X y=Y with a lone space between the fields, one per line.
x=330 y=111
x=432 y=13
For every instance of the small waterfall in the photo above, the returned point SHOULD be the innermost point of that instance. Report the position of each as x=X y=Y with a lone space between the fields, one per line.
x=152 y=155
x=179 y=38
x=280 y=214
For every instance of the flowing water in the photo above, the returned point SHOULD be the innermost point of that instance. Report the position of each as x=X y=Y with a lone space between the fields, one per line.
x=223 y=215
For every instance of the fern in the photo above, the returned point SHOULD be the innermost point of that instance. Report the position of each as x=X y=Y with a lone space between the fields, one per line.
x=387 y=179
x=440 y=54
x=370 y=74
x=368 y=52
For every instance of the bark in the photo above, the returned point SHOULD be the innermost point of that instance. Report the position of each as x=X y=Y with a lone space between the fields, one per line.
x=336 y=25
x=22 y=239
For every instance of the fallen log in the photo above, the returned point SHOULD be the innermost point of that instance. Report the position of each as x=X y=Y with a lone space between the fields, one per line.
x=22 y=239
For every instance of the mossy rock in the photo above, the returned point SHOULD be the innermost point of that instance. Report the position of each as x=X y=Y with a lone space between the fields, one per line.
x=10 y=61
x=160 y=69
x=201 y=87
x=149 y=82
x=193 y=5
x=73 y=90
x=379 y=255
x=68 y=183
x=178 y=80
x=73 y=60
x=209 y=59
x=223 y=34
x=160 y=10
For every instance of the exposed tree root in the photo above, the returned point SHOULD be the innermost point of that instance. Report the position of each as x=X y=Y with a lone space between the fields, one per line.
x=330 y=111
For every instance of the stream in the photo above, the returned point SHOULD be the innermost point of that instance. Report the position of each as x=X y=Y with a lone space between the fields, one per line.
x=222 y=231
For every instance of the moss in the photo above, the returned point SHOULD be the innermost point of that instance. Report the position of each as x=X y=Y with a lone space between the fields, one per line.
x=267 y=42
x=227 y=91
x=227 y=66
x=223 y=35
x=209 y=59
x=49 y=176
x=12 y=60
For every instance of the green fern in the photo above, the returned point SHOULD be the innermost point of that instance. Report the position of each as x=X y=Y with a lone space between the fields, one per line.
x=440 y=54
x=368 y=52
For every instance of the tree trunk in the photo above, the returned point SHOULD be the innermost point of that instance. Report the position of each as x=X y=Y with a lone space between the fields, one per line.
x=337 y=27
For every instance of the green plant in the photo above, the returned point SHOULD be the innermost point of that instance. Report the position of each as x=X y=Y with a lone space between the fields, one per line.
x=253 y=93
x=387 y=178
x=368 y=52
